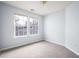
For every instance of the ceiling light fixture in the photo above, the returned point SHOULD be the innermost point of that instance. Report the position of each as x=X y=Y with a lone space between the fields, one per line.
x=32 y=9
x=44 y=2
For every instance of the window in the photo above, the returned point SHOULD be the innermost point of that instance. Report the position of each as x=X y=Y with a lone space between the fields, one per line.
x=23 y=23
x=33 y=26
x=20 y=25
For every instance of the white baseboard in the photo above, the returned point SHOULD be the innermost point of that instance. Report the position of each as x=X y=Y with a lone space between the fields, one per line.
x=72 y=50
x=65 y=47
x=55 y=43
x=48 y=41
x=3 y=49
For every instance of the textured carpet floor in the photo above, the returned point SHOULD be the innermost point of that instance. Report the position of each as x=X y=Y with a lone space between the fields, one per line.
x=39 y=50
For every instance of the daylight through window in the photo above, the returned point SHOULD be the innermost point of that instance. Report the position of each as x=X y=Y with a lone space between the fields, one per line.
x=23 y=23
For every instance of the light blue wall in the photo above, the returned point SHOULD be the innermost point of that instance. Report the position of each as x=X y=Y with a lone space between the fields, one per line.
x=63 y=27
x=7 y=24
x=0 y=26
x=72 y=27
x=60 y=27
x=54 y=27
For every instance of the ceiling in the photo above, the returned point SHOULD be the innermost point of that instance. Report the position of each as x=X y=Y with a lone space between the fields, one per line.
x=37 y=7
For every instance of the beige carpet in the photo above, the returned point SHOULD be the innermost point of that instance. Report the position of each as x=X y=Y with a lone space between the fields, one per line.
x=39 y=50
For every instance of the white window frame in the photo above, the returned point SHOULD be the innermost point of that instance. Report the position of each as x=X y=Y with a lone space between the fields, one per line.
x=38 y=25
x=28 y=29
x=15 y=27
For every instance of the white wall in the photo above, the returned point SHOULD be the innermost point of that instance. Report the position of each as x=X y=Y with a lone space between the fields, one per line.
x=54 y=27
x=72 y=27
x=7 y=26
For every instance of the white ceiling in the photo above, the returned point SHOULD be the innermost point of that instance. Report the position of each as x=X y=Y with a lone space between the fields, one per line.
x=49 y=7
